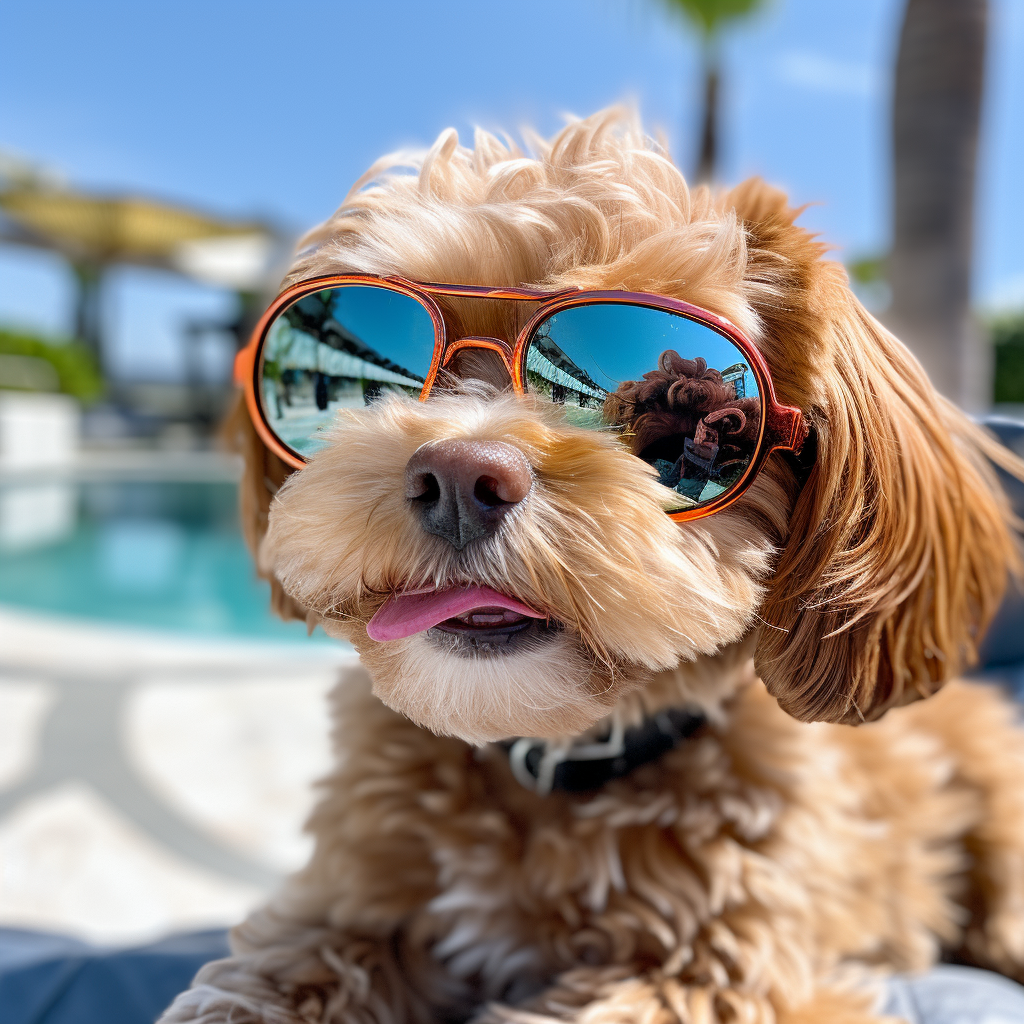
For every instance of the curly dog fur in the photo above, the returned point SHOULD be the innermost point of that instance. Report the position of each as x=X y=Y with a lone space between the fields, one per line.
x=767 y=869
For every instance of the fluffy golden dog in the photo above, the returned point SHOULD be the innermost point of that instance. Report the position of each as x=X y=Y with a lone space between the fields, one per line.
x=765 y=869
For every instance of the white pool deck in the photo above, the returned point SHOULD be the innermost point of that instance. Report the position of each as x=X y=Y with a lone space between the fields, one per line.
x=151 y=782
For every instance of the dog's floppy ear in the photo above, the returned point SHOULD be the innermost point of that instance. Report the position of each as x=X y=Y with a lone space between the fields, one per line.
x=262 y=476
x=900 y=539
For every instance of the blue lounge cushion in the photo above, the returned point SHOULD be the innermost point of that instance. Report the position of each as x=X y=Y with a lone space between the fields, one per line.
x=55 y=979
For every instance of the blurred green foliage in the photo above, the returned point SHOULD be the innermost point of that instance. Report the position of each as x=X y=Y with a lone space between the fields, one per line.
x=868 y=269
x=710 y=15
x=1008 y=344
x=32 y=363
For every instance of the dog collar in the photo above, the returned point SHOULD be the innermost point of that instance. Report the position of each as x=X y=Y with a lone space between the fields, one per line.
x=579 y=767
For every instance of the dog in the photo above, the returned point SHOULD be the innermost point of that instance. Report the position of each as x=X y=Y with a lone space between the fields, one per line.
x=787 y=847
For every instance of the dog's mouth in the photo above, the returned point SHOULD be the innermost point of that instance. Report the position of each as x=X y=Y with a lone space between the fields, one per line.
x=475 y=617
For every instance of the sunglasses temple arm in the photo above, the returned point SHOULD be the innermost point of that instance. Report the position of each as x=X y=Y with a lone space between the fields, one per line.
x=245 y=360
x=789 y=429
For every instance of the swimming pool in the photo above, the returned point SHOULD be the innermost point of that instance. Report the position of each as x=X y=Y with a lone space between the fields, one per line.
x=137 y=552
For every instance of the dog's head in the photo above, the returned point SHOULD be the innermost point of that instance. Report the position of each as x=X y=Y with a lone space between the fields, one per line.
x=862 y=574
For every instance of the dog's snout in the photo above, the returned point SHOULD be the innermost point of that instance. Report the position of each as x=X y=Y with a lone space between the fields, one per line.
x=462 y=490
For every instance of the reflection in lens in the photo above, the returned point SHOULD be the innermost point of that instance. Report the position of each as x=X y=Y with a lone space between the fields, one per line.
x=341 y=348
x=551 y=372
x=683 y=396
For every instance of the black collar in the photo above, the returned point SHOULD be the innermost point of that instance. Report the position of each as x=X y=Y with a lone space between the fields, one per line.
x=543 y=766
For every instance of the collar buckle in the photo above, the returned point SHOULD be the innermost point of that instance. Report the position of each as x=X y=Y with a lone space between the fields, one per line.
x=542 y=766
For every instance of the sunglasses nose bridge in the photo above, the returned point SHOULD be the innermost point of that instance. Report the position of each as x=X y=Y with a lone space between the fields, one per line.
x=469 y=343
x=498 y=345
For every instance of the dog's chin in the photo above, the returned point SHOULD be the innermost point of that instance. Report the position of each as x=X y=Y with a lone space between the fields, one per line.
x=529 y=679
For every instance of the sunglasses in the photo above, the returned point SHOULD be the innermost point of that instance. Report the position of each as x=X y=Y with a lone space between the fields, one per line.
x=685 y=390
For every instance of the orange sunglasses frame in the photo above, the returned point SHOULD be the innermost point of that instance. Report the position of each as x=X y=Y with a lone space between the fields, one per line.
x=781 y=425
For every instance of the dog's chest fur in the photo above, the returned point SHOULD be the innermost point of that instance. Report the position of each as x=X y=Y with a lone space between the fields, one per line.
x=727 y=857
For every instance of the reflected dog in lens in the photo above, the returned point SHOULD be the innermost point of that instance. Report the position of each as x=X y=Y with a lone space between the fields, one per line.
x=696 y=425
x=670 y=495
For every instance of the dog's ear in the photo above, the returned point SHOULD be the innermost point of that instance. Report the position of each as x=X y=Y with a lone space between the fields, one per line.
x=262 y=476
x=900 y=539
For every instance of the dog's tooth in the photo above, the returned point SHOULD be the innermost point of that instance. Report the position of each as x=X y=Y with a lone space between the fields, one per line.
x=487 y=618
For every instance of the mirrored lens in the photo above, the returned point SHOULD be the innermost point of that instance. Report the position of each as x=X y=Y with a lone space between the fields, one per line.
x=683 y=396
x=340 y=348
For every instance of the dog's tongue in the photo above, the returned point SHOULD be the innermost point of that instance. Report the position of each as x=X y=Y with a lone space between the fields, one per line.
x=404 y=614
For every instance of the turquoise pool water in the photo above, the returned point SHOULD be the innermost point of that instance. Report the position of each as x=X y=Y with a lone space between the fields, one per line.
x=154 y=554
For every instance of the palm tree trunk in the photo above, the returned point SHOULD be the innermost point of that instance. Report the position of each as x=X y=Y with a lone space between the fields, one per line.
x=707 y=163
x=939 y=78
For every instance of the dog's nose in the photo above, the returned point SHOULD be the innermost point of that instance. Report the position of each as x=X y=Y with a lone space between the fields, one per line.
x=463 y=489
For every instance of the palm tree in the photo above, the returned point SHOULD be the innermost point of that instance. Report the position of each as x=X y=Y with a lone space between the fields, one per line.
x=709 y=16
x=936 y=112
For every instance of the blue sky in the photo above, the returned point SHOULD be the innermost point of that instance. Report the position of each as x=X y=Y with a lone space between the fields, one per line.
x=273 y=109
